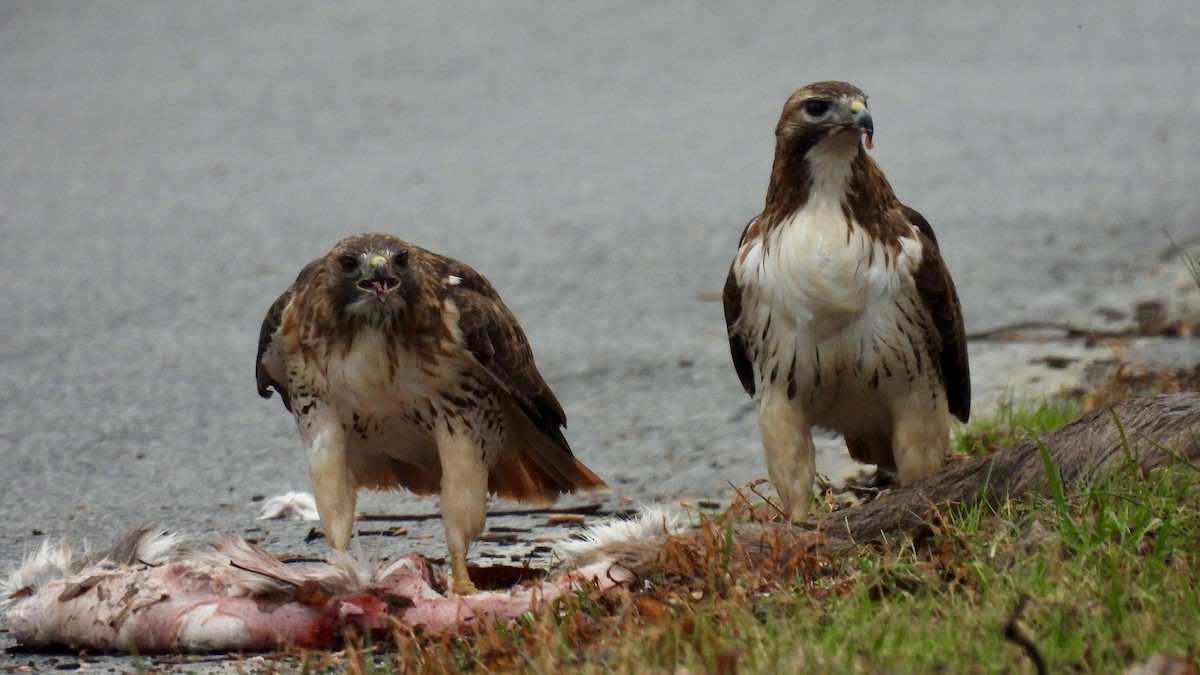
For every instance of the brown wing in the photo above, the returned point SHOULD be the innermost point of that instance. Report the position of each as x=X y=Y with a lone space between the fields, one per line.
x=941 y=301
x=542 y=463
x=732 y=299
x=493 y=336
x=266 y=335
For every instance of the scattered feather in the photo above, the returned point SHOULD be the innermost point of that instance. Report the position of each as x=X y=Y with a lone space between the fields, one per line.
x=290 y=506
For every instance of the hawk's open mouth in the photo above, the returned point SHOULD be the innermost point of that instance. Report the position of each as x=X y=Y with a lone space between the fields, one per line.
x=868 y=133
x=380 y=287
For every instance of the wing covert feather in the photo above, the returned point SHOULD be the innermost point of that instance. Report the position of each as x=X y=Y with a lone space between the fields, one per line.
x=940 y=298
x=266 y=336
x=493 y=336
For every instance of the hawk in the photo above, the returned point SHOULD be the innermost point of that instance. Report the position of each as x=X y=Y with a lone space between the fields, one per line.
x=403 y=368
x=841 y=313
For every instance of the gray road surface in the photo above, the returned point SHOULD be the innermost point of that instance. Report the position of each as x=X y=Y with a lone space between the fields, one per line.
x=167 y=168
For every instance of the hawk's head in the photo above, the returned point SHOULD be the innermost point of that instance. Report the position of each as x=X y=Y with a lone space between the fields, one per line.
x=830 y=114
x=371 y=274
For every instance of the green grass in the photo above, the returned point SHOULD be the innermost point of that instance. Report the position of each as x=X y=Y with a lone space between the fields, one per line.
x=1187 y=259
x=1012 y=422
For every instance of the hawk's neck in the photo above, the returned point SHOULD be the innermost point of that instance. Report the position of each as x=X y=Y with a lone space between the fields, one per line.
x=326 y=321
x=838 y=177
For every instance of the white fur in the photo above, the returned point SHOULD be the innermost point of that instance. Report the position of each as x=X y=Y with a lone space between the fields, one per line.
x=652 y=523
x=593 y=569
x=155 y=548
x=54 y=561
x=49 y=562
x=205 y=627
x=233 y=596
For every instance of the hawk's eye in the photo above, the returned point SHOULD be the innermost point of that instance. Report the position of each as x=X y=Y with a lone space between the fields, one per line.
x=816 y=107
x=348 y=263
x=401 y=259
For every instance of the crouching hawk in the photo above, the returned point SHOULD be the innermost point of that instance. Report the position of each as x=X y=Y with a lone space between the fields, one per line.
x=404 y=368
x=841 y=313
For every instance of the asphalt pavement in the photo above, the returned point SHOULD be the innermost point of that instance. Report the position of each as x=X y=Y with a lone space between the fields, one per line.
x=168 y=168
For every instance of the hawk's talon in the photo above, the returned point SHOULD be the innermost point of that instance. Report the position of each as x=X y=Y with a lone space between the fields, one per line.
x=462 y=584
x=464 y=587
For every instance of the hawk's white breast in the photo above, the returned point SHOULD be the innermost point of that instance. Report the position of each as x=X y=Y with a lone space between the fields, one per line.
x=382 y=399
x=373 y=378
x=822 y=294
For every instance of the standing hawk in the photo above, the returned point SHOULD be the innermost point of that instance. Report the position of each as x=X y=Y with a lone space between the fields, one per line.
x=404 y=368
x=841 y=313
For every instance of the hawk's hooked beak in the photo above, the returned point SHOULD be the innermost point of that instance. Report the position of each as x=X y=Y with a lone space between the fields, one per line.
x=379 y=280
x=861 y=118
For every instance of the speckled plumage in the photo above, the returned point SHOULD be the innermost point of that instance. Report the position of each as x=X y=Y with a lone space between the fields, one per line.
x=404 y=368
x=840 y=310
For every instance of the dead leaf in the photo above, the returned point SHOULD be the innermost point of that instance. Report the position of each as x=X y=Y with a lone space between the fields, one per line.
x=562 y=518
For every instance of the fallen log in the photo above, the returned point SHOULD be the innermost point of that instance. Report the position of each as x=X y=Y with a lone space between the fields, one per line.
x=1135 y=436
